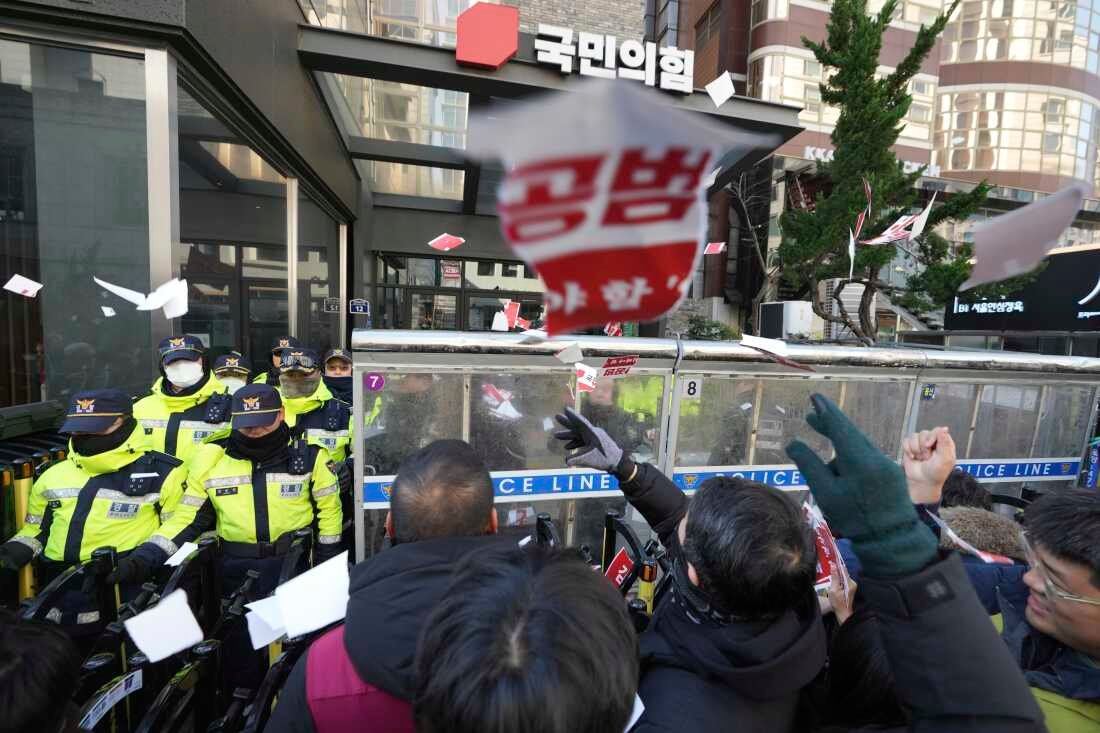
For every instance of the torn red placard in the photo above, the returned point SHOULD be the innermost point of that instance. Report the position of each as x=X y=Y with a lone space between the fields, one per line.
x=613 y=329
x=446 y=242
x=620 y=567
x=714 y=248
x=586 y=377
x=828 y=555
x=618 y=366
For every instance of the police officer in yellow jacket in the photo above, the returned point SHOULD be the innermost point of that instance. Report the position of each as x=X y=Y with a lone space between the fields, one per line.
x=279 y=345
x=113 y=490
x=312 y=411
x=260 y=485
x=187 y=405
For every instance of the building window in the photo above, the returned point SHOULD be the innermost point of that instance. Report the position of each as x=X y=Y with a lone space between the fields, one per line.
x=921 y=87
x=486 y=269
x=509 y=270
x=920 y=113
x=708 y=26
x=529 y=274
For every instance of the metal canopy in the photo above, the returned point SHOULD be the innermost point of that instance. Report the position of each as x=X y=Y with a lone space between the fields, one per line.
x=355 y=54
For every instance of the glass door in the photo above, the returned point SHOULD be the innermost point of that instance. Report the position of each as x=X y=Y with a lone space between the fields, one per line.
x=481 y=307
x=212 y=315
x=266 y=316
x=433 y=311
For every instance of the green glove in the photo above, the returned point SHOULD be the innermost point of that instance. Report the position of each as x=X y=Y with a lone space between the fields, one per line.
x=864 y=496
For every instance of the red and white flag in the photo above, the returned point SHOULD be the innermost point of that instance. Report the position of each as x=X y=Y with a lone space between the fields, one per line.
x=613 y=329
x=715 y=248
x=446 y=242
x=604 y=197
x=896 y=232
x=867 y=193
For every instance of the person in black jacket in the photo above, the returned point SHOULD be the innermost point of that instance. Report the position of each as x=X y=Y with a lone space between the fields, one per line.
x=441 y=510
x=740 y=636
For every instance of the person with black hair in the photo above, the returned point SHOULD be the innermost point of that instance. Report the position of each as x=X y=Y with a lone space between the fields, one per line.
x=188 y=405
x=740 y=637
x=441 y=509
x=527 y=640
x=39 y=671
x=962 y=489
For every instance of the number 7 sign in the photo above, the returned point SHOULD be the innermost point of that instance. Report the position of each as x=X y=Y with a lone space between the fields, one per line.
x=374 y=382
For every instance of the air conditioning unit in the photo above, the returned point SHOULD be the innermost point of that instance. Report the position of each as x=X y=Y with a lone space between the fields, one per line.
x=782 y=319
x=851 y=296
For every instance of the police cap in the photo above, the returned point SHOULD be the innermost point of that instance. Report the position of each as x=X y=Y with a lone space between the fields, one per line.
x=255 y=406
x=175 y=348
x=95 y=410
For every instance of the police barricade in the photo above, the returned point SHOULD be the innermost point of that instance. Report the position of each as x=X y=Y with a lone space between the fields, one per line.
x=697 y=409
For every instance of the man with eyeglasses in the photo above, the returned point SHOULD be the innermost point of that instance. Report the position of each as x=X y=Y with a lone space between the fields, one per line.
x=1048 y=610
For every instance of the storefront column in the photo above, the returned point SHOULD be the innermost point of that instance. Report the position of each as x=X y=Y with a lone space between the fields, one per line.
x=162 y=141
x=292 y=256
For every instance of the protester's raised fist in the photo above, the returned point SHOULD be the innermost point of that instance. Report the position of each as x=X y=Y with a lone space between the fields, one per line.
x=928 y=457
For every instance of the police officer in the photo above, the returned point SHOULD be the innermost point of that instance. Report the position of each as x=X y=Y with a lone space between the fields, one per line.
x=232 y=370
x=311 y=409
x=187 y=405
x=337 y=375
x=261 y=485
x=112 y=490
x=278 y=346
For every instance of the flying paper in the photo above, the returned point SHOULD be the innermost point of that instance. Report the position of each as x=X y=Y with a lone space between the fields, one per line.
x=851 y=254
x=446 y=242
x=922 y=220
x=714 y=248
x=571 y=354
x=171 y=297
x=166 y=628
x=613 y=329
x=533 y=336
x=635 y=714
x=618 y=366
x=265 y=622
x=500 y=321
x=586 y=377
x=108 y=311
x=1014 y=243
x=315 y=598
x=604 y=197
x=721 y=89
x=181 y=554
x=23 y=286
x=774 y=346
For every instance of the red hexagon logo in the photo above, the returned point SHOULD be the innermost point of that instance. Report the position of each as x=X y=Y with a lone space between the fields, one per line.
x=488 y=35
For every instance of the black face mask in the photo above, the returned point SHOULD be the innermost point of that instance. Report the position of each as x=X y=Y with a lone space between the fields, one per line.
x=260 y=450
x=340 y=387
x=693 y=596
x=93 y=445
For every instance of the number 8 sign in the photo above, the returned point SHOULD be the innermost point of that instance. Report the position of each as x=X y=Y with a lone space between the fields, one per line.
x=374 y=382
x=691 y=388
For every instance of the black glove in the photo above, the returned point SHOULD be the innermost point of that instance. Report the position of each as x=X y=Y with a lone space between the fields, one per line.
x=594 y=447
x=323 y=552
x=138 y=566
x=14 y=555
x=345 y=475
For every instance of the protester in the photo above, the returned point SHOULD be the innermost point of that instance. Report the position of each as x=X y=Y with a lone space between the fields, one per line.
x=528 y=640
x=951 y=671
x=962 y=489
x=187 y=405
x=311 y=410
x=279 y=345
x=232 y=370
x=441 y=509
x=741 y=636
x=39 y=671
x=337 y=375
x=112 y=490
x=984 y=530
x=861 y=687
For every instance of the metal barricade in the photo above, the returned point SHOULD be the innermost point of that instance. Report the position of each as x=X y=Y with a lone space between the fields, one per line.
x=696 y=409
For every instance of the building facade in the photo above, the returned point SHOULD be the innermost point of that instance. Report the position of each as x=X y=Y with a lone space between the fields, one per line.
x=285 y=157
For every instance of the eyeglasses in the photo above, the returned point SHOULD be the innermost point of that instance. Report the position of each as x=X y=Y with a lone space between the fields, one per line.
x=1050 y=590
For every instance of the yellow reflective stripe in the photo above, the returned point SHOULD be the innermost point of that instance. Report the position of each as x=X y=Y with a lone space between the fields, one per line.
x=113 y=495
x=287 y=478
x=192 y=500
x=214 y=483
x=154 y=424
x=328 y=539
x=329 y=433
x=318 y=493
x=30 y=542
x=60 y=493
x=202 y=425
x=163 y=543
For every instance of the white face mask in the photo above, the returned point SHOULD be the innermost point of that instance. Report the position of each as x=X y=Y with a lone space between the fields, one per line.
x=184 y=374
x=232 y=383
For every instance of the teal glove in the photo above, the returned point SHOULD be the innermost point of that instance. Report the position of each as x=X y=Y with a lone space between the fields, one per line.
x=864 y=496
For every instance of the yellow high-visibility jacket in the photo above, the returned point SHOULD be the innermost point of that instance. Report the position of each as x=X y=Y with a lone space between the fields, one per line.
x=262 y=503
x=322 y=419
x=120 y=498
x=178 y=425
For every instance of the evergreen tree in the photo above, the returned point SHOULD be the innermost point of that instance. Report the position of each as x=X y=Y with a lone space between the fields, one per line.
x=872 y=109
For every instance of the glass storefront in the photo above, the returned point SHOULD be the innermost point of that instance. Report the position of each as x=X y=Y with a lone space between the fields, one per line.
x=73 y=205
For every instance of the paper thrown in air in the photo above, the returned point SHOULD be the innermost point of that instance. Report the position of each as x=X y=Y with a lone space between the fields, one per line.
x=500 y=321
x=171 y=297
x=265 y=622
x=166 y=628
x=1014 y=243
x=636 y=714
x=851 y=254
x=603 y=196
x=533 y=336
x=571 y=354
x=922 y=220
x=586 y=377
x=714 y=248
x=181 y=554
x=315 y=598
x=721 y=89
x=108 y=311
x=775 y=346
x=23 y=286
